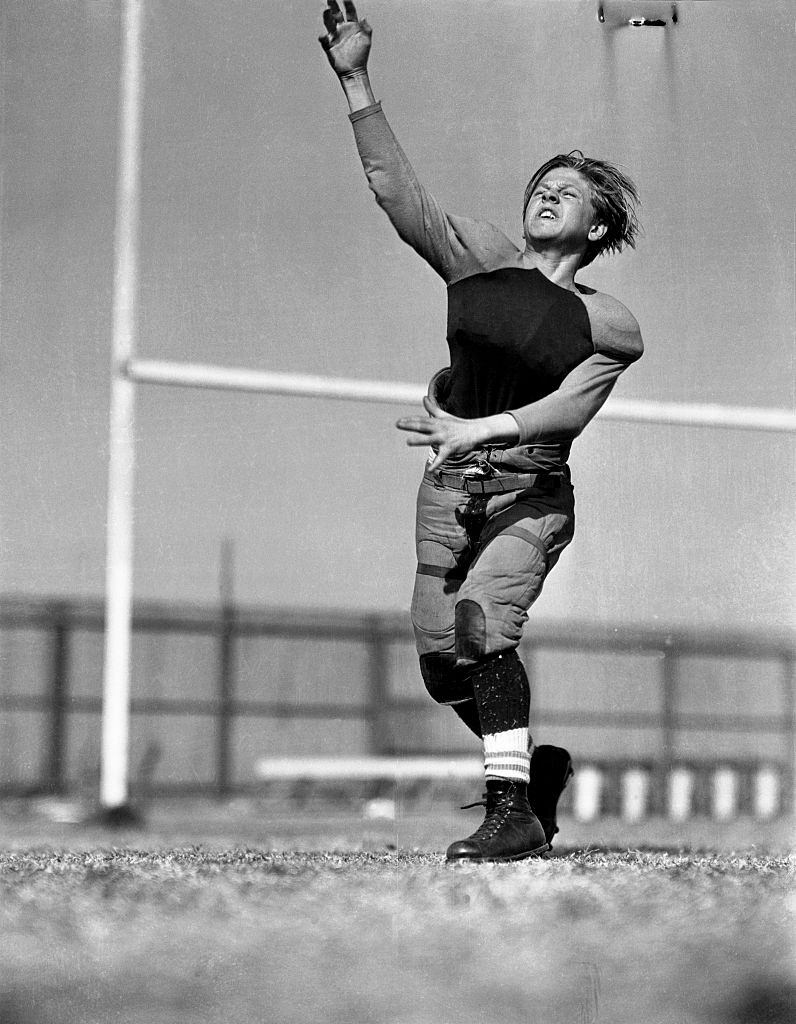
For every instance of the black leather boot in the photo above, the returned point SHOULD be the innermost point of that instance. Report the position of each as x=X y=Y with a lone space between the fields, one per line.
x=510 y=830
x=551 y=770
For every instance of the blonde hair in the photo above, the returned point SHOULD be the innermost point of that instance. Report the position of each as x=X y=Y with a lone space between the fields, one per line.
x=613 y=196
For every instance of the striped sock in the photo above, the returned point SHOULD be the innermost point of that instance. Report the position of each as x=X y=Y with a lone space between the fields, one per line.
x=506 y=755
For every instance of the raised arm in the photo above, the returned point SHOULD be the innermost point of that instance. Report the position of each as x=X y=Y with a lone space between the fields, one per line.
x=454 y=246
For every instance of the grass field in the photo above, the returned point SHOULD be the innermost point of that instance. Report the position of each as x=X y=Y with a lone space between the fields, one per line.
x=247 y=912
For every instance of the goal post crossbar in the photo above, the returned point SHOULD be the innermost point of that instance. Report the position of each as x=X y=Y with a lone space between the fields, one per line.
x=198 y=375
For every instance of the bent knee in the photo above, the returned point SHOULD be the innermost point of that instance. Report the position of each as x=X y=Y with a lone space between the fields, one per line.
x=443 y=680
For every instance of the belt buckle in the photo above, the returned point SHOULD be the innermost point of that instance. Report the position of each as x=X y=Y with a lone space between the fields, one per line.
x=482 y=470
x=474 y=477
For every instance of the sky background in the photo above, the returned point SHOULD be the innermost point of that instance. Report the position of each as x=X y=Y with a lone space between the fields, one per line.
x=261 y=246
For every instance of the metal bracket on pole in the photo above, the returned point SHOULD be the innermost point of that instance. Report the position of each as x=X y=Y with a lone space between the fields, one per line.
x=637 y=13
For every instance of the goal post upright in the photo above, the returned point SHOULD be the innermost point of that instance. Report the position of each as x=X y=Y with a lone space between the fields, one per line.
x=115 y=743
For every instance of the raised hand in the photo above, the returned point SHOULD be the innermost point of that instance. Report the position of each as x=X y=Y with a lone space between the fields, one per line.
x=347 y=39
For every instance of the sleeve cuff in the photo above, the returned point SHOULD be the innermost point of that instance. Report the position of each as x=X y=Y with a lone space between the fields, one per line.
x=521 y=439
x=357 y=115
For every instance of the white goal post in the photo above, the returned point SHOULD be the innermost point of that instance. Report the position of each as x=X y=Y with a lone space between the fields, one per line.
x=121 y=453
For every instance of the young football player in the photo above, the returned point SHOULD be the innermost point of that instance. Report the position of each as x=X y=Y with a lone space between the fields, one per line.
x=533 y=356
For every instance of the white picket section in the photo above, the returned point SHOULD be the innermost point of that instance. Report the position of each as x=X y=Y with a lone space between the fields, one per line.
x=766 y=793
x=725 y=794
x=635 y=786
x=588 y=792
x=595 y=789
x=680 y=795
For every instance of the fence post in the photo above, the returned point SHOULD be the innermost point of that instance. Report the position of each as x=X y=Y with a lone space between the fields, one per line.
x=225 y=697
x=59 y=674
x=378 y=688
x=789 y=715
x=668 y=724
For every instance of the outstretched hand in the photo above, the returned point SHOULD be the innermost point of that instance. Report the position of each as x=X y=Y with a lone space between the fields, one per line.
x=347 y=39
x=449 y=435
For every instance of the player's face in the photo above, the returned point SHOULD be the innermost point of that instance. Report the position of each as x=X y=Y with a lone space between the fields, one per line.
x=560 y=211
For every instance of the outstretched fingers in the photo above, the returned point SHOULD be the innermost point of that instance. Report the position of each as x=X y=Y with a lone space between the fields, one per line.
x=430 y=428
x=334 y=15
x=342 y=24
x=417 y=425
x=424 y=434
x=444 y=452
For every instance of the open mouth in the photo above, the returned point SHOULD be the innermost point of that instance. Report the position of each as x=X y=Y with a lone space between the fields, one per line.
x=547 y=215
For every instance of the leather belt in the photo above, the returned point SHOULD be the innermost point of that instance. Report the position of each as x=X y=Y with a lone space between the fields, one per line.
x=503 y=484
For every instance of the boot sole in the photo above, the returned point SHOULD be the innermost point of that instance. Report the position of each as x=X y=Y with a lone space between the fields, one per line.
x=540 y=851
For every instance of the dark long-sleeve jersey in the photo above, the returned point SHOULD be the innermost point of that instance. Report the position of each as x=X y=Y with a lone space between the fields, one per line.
x=519 y=343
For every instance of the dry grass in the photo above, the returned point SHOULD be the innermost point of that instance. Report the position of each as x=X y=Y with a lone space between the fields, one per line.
x=235 y=930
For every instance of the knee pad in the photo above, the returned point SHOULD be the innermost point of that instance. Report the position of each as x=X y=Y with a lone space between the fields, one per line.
x=470 y=633
x=444 y=683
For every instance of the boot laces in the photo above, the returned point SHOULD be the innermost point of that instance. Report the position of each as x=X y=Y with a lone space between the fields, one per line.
x=498 y=808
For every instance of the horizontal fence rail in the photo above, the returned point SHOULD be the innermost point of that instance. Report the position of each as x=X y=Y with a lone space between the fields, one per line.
x=634 y=792
x=167 y=617
x=664 y=783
